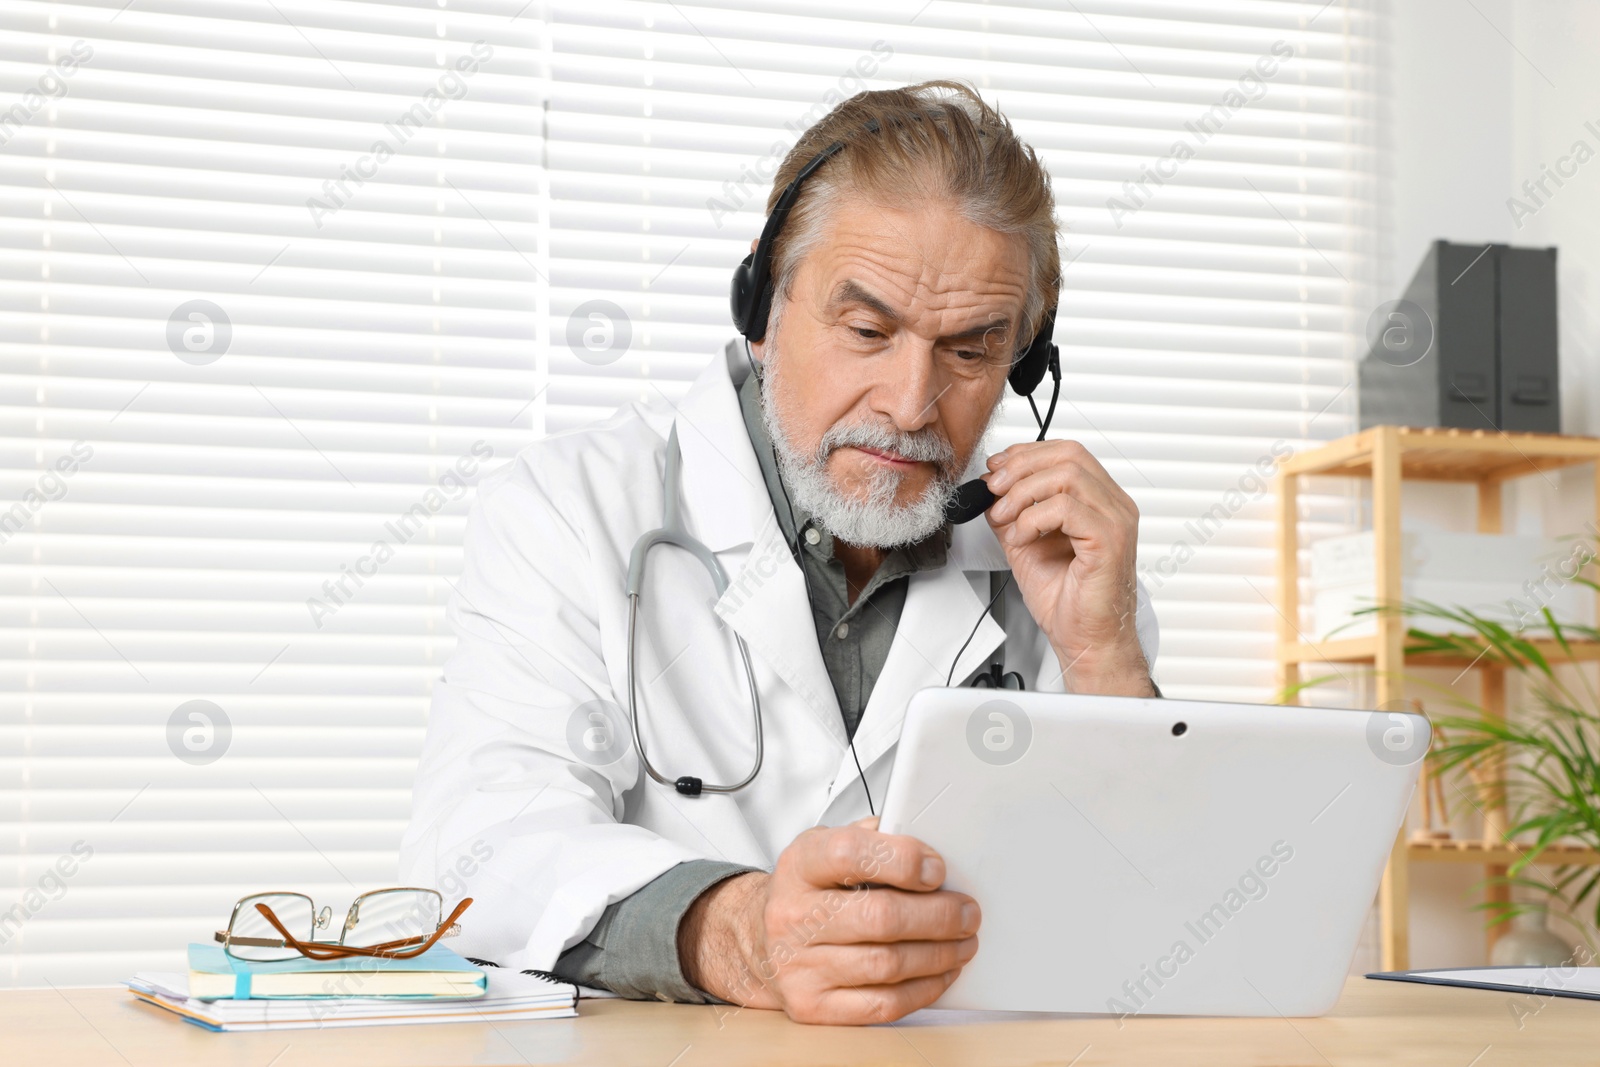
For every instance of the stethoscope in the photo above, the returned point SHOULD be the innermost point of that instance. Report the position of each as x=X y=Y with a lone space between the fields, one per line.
x=671 y=532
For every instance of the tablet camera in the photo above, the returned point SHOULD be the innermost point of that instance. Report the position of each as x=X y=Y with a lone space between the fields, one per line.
x=1179 y=729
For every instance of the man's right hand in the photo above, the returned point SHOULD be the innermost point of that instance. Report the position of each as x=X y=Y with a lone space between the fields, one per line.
x=850 y=927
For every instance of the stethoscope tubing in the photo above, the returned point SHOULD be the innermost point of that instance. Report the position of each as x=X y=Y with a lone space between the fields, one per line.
x=673 y=533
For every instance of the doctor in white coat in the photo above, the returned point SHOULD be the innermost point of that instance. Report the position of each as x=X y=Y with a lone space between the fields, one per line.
x=915 y=266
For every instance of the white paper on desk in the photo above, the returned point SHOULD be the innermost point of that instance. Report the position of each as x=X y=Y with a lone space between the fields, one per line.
x=502 y=985
x=1563 y=981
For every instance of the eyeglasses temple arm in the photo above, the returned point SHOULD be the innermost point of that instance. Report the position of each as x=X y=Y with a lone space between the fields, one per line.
x=249 y=942
x=316 y=951
x=444 y=927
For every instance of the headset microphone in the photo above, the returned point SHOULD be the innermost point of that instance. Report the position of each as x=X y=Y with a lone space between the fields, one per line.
x=971 y=500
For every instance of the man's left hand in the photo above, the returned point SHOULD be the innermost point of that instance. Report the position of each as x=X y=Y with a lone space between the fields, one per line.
x=1069 y=533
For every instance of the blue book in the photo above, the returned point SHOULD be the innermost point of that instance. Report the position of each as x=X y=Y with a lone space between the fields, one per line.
x=437 y=973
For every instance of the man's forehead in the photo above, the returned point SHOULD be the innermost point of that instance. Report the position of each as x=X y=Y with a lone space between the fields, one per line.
x=882 y=257
x=849 y=292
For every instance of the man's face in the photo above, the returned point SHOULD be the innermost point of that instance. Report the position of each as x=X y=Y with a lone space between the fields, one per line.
x=903 y=319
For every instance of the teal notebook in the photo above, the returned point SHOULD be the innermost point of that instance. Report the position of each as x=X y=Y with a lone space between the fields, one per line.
x=438 y=972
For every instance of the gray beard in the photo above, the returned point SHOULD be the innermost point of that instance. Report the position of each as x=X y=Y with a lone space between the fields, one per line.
x=871 y=519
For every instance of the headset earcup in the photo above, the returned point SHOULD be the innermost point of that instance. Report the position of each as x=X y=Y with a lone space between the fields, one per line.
x=739 y=294
x=760 y=308
x=1029 y=370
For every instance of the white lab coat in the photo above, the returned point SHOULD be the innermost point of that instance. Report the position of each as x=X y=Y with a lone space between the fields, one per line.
x=543 y=841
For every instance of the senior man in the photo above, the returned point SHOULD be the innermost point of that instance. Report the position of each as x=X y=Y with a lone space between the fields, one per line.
x=919 y=259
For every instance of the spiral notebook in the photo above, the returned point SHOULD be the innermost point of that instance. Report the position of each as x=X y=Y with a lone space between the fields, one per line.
x=511 y=996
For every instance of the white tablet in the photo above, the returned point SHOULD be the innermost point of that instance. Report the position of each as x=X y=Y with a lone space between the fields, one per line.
x=1163 y=857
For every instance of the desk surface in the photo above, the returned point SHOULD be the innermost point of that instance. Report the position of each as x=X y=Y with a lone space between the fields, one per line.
x=1374 y=1023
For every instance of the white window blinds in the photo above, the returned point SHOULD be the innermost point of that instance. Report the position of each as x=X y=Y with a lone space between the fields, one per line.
x=280 y=281
x=269 y=275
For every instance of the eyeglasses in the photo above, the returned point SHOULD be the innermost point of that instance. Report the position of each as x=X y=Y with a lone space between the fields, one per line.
x=392 y=923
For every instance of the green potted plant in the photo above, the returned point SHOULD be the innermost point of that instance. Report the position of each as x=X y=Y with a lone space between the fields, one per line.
x=1545 y=753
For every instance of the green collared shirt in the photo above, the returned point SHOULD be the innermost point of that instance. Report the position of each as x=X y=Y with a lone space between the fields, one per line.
x=633 y=949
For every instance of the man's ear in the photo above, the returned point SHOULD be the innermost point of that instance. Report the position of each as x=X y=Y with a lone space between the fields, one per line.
x=753 y=242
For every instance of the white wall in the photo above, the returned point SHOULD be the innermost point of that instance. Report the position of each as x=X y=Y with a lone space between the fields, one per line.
x=1480 y=103
x=1450 y=128
x=1561 y=39
x=1483 y=94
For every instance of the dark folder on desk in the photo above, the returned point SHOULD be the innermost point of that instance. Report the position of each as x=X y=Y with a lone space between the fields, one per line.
x=1582 y=983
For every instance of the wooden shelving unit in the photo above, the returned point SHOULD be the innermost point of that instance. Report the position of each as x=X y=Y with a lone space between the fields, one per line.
x=1464 y=851
x=1389 y=456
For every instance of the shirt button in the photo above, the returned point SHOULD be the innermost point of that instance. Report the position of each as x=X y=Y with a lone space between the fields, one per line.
x=812 y=537
x=843 y=631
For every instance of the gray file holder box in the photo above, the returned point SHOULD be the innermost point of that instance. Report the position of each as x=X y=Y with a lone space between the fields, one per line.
x=1493 y=361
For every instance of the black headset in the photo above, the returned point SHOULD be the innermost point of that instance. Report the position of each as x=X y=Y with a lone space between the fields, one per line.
x=750 y=299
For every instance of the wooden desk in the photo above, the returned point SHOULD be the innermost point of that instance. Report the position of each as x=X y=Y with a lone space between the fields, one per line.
x=1375 y=1023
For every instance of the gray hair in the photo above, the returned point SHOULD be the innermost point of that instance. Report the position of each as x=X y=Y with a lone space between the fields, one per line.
x=934 y=141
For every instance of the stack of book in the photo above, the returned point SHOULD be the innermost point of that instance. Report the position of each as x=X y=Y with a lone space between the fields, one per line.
x=223 y=993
